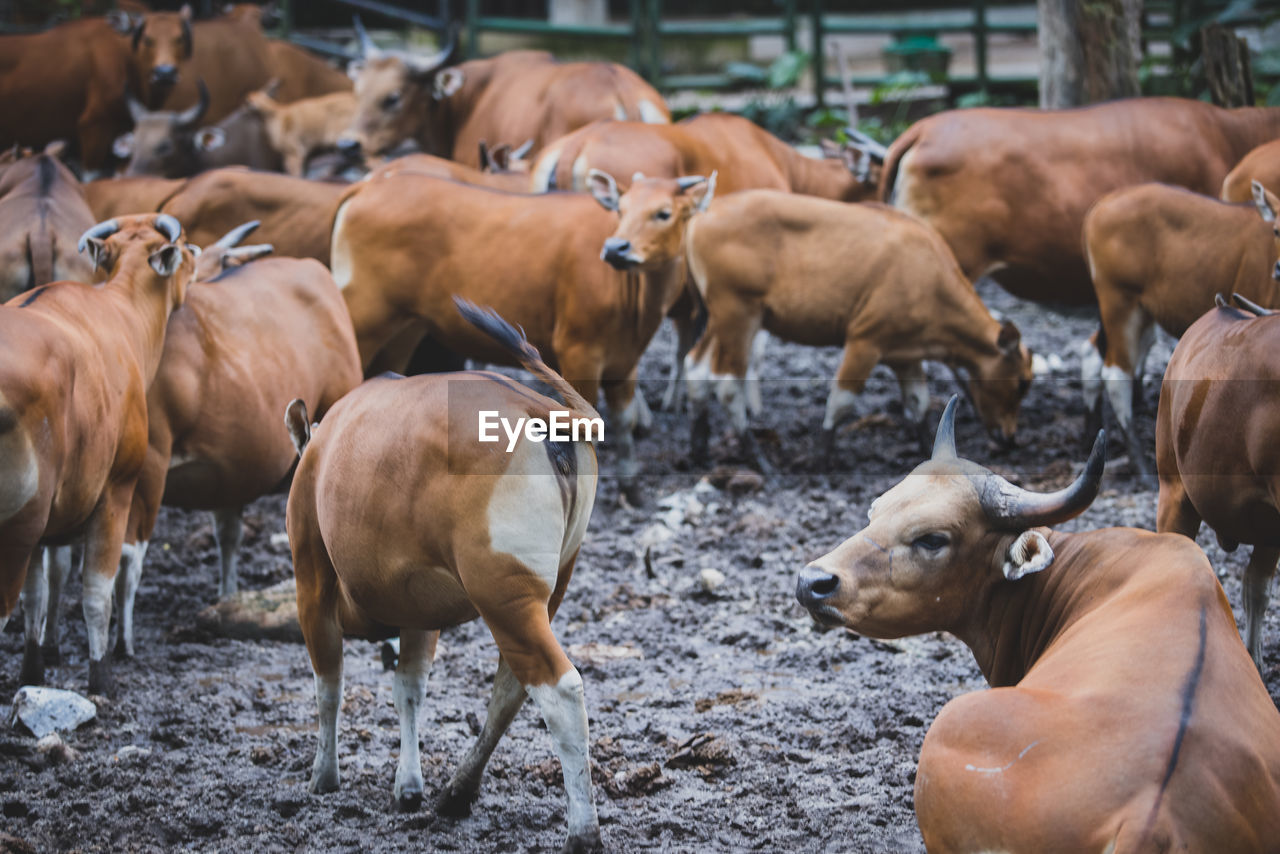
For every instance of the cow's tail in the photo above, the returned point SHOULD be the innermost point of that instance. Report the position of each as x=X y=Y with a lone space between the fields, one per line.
x=296 y=422
x=893 y=160
x=514 y=342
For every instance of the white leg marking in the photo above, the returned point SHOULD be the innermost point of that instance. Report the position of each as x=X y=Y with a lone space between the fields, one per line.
x=564 y=709
x=407 y=695
x=324 y=771
x=1257 y=593
x=35 y=601
x=732 y=393
x=127 y=581
x=96 y=599
x=644 y=415
x=1091 y=374
x=839 y=406
x=1119 y=387
x=57 y=565
x=755 y=401
x=914 y=388
x=228 y=531
x=624 y=431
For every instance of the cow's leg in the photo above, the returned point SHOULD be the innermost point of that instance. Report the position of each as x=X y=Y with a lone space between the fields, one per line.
x=295 y=162
x=58 y=561
x=1174 y=511
x=1129 y=333
x=505 y=700
x=698 y=388
x=1257 y=592
x=755 y=400
x=417 y=649
x=683 y=323
x=859 y=358
x=730 y=364
x=126 y=591
x=621 y=397
x=1091 y=386
x=374 y=320
x=1140 y=366
x=35 y=604
x=103 y=544
x=913 y=385
x=644 y=415
x=228 y=529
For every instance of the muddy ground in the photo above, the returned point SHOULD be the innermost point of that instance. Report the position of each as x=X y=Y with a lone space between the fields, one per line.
x=720 y=721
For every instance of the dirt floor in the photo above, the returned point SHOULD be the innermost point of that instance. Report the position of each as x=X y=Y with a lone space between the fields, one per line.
x=720 y=721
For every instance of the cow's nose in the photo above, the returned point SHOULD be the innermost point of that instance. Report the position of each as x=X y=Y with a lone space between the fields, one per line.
x=815 y=586
x=348 y=146
x=617 y=254
x=164 y=74
x=617 y=246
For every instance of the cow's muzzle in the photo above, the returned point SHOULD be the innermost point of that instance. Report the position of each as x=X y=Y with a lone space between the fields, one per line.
x=814 y=590
x=618 y=254
x=348 y=147
x=164 y=75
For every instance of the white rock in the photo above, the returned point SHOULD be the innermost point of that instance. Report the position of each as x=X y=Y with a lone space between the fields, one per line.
x=710 y=579
x=1039 y=367
x=46 y=710
x=1055 y=363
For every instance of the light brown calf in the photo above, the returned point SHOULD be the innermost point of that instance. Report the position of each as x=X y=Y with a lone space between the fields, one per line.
x=402 y=520
x=75 y=363
x=1216 y=449
x=304 y=127
x=1158 y=255
x=1262 y=165
x=1123 y=716
x=42 y=215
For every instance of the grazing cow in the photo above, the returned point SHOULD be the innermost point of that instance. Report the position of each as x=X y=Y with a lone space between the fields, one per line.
x=295 y=213
x=298 y=130
x=1261 y=165
x=215 y=441
x=109 y=198
x=1158 y=255
x=515 y=96
x=1124 y=714
x=1216 y=452
x=862 y=277
x=76 y=363
x=1009 y=188
x=746 y=156
x=42 y=215
x=485 y=533
x=404 y=244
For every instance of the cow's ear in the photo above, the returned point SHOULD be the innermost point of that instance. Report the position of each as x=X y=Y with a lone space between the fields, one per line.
x=166 y=259
x=1029 y=553
x=210 y=139
x=96 y=249
x=123 y=146
x=448 y=82
x=1265 y=201
x=603 y=188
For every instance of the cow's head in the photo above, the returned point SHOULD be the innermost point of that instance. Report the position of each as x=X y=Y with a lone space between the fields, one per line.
x=161 y=42
x=1267 y=204
x=398 y=97
x=938 y=542
x=653 y=215
x=149 y=247
x=164 y=142
x=998 y=380
x=864 y=158
x=228 y=253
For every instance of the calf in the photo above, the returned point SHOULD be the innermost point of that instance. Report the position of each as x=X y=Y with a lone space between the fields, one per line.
x=483 y=534
x=1008 y=189
x=1125 y=715
x=298 y=130
x=75 y=364
x=215 y=441
x=404 y=244
x=1262 y=165
x=1216 y=453
x=1158 y=254
x=866 y=278
x=42 y=214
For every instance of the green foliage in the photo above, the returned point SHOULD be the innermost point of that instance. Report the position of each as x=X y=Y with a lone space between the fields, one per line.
x=774 y=107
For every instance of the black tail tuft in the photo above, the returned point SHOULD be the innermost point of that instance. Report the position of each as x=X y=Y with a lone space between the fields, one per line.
x=491 y=323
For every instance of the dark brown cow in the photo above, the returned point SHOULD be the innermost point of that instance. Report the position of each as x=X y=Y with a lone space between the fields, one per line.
x=42 y=215
x=1123 y=716
x=1009 y=188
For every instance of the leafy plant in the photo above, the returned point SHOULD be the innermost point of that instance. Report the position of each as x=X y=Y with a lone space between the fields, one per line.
x=773 y=106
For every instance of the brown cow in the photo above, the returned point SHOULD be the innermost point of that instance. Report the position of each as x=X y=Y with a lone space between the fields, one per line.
x=483 y=533
x=429 y=164
x=112 y=197
x=76 y=364
x=404 y=244
x=1124 y=714
x=1158 y=255
x=1009 y=188
x=302 y=74
x=42 y=215
x=298 y=130
x=1216 y=452
x=513 y=97
x=215 y=440
x=1261 y=165
x=862 y=277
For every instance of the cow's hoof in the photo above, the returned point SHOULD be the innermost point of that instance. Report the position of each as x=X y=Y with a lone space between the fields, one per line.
x=633 y=494
x=323 y=782
x=409 y=800
x=455 y=802
x=584 y=843
x=32 y=665
x=101 y=681
x=52 y=655
x=121 y=652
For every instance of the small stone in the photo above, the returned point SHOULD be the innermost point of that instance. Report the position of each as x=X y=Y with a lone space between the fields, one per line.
x=744 y=481
x=280 y=541
x=710 y=579
x=55 y=750
x=131 y=751
x=46 y=710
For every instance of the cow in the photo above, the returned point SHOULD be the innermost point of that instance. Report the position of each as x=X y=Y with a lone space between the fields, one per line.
x=112 y=197
x=1216 y=453
x=428 y=164
x=512 y=97
x=77 y=360
x=485 y=533
x=298 y=130
x=1009 y=188
x=1261 y=165
x=1158 y=255
x=862 y=277
x=295 y=214
x=746 y=156
x=302 y=74
x=404 y=244
x=1124 y=714
x=215 y=441
x=42 y=215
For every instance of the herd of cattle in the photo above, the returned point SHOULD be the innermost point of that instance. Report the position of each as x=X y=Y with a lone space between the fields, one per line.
x=558 y=197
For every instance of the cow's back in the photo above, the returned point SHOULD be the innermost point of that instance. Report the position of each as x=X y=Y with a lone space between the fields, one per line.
x=1262 y=164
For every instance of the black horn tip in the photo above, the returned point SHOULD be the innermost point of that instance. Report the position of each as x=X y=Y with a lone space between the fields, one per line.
x=944 y=442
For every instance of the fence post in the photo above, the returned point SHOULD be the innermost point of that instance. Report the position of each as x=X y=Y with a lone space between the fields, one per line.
x=655 y=43
x=819 y=57
x=980 y=42
x=473 y=36
x=789 y=24
x=637 y=36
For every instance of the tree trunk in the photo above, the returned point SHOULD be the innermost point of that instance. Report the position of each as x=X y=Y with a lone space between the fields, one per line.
x=1226 y=65
x=1089 y=51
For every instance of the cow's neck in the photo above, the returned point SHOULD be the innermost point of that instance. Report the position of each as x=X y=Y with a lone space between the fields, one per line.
x=648 y=295
x=145 y=300
x=1246 y=128
x=965 y=331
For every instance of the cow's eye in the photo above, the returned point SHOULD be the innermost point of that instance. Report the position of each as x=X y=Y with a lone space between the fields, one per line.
x=391 y=101
x=932 y=542
x=662 y=215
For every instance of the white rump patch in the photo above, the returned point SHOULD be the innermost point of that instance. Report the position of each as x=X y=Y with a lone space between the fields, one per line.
x=650 y=114
x=339 y=250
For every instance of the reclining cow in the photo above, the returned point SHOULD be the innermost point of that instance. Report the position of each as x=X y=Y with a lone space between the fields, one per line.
x=1124 y=714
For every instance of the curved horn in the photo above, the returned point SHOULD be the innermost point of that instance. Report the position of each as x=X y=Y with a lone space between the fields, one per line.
x=1251 y=306
x=1013 y=507
x=367 y=47
x=106 y=228
x=944 y=443
x=429 y=63
x=192 y=115
x=522 y=152
x=245 y=254
x=687 y=181
x=167 y=225
x=235 y=235
x=867 y=144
